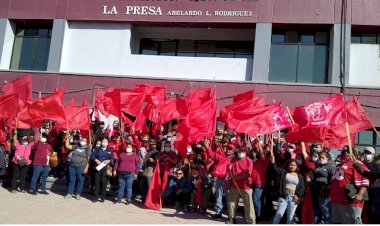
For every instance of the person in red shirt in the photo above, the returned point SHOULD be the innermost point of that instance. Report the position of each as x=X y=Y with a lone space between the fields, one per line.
x=261 y=167
x=347 y=210
x=116 y=145
x=241 y=187
x=42 y=151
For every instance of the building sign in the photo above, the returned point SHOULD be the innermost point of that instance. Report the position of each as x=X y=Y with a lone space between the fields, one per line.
x=243 y=11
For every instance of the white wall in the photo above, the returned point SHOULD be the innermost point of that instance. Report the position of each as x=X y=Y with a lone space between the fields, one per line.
x=9 y=36
x=365 y=65
x=104 y=48
x=95 y=47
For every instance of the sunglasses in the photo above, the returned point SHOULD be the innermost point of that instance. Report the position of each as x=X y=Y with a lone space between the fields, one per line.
x=178 y=173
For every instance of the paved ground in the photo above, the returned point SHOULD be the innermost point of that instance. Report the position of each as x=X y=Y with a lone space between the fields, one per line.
x=22 y=208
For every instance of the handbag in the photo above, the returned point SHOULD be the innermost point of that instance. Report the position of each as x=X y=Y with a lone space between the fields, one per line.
x=53 y=161
x=21 y=162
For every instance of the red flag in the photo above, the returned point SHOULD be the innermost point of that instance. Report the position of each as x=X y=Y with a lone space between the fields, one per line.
x=152 y=113
x=139 y=123
x=336 y=136
x=306 y=134
x=72 y=102
x=165 y=176
x=49 y=107
x=260 y=120
x=327 y=112
x=175 y=108
x=307 y=211
x=248 y=105
x=281 y=120
x=247 y=96
x=154 y=94
x=8 y=106
x=182 y=139
x=78 y=117
x=131 y=101
x=108 y=102
x=197 y=98
x=153 y=197
x=21 y=86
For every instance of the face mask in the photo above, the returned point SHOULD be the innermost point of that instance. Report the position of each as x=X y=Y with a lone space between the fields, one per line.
x=299 y=161
x=241 y=155
x=43 y=130
x=367 y=157
x=98 y=145
x=170 y=139
x=24 y=142
x=128 y=150
x=323 y=161
x=104 y=144
x=195 y=175
x=337 y=162
x=167 y=149
x=43 y=140
x=314 y=159
x=291 y=150
x=189 y=150
x=83 y=143
x=116 y=126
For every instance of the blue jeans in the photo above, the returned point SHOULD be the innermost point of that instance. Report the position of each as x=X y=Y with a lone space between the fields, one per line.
x=76 y=175
x=288 y=205
x=125 y=183
x=219 y=196
x=37 y=170
x=322 y=210
x=257 y=192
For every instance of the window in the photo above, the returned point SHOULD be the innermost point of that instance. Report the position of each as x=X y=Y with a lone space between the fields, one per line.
x=197 y=48
x=31 y=48
x=365 y=38
x=299 y=57
x=368 y=138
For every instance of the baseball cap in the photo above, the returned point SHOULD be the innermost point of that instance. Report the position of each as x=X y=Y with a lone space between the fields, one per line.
x=369 y=149
x=152 y=141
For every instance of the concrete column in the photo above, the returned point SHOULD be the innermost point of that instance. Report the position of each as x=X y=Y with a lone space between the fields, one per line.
x=7 y=37
x=334 y=54
x=56 y=44
x=261 y=56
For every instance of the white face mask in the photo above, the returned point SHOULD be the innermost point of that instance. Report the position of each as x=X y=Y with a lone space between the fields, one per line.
x=98 y=145
x=43 y=140
x=189 y=150
x=291 y=150
x=25 y=143
x=170 y=139
x=367 y=157
x=195 y=175
x=314 y=159
x=128 y=150
x=104 y=144
x=323 y=161
x=241 y=155
x=167 y=149
x=82 y=143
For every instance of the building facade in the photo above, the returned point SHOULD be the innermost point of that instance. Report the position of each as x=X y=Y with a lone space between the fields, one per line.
x=293 y=51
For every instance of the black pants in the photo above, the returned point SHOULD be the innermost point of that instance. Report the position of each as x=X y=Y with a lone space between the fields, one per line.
x=183 y=198
x=19 y=173
x=100 y=182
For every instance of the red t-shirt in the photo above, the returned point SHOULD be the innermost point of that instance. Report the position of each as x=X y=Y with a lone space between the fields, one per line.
x=344 y=174
x=309 y=164
x=40 y=155
x=261 y=166
x=255 y=178
x=164 y=155
x=238 y=168
x=116 y=148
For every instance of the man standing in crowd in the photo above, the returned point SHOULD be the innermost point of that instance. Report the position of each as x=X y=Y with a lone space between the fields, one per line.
x=347 y=190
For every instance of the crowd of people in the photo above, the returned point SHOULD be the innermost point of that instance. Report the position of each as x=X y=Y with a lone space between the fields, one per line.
x=268 y=174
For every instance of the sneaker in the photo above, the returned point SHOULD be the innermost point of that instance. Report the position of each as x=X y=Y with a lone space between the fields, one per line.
x=77 y=197
x=128 y=202
x=68 y=196
x=102 y=200
x=217 y=216
x=231 y=221
x=44 y=192
x=32 y=192
x=13 y=191
x=23 y=191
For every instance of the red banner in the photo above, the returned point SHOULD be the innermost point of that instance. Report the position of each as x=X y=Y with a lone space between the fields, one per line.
x=22 y=87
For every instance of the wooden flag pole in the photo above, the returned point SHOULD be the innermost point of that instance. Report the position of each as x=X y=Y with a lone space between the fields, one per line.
x=290 y=115
x=377 y=133
x=349 y=138
x=39 y=94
